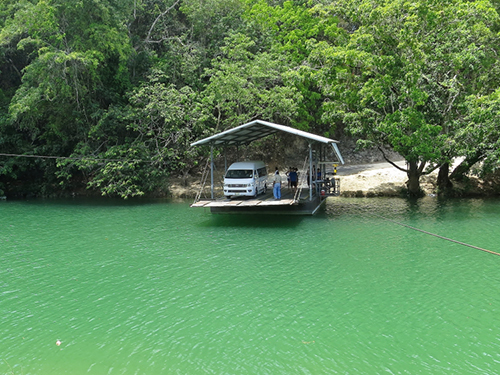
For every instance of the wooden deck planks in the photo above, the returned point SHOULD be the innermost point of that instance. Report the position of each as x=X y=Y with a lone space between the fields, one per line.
x=244 y=203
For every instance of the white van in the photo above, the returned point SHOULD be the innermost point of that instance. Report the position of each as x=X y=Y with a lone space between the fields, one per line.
x=247 y=178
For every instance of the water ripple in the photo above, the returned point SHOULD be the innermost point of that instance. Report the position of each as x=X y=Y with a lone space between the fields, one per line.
x=155 y=288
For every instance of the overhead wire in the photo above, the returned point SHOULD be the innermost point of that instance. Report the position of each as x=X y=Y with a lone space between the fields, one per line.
x=72 y=158
x=438 y=236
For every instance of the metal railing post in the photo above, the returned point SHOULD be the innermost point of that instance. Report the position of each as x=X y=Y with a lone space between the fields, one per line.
x=212 y=171
x=310 y=173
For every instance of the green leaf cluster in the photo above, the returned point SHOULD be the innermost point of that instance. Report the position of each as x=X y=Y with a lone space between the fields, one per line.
x=119 y=90
x=404 y=77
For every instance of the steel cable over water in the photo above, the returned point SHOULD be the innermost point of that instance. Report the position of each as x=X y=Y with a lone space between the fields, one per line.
x=72 y=158
x=438 y=236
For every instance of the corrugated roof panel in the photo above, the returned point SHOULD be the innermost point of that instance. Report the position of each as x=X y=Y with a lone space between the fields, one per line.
x=255 y=130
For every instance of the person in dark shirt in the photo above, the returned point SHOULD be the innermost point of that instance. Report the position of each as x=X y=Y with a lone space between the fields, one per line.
x=294 y=177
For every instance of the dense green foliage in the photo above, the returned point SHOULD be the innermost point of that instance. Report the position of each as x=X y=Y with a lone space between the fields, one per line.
x=119 y=89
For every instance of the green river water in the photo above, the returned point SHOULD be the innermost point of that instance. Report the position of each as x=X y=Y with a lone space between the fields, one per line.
x=157 y=287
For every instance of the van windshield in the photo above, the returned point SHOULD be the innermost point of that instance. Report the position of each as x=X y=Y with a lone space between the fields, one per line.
x=239 y=173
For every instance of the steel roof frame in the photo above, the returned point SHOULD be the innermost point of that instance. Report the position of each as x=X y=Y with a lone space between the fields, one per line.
x=251 y=131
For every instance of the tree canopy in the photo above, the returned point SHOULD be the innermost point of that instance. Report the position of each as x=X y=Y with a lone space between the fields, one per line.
x=119 y=90
x=406 y=72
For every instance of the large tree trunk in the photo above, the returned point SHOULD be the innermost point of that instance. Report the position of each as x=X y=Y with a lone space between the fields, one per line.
x=413 y=179
x=443 y=181
x=464 y=167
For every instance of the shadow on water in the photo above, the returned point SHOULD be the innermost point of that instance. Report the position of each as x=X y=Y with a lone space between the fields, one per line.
x=253 y=221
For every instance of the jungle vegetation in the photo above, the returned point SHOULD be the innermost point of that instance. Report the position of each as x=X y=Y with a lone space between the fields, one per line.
x=115 y=91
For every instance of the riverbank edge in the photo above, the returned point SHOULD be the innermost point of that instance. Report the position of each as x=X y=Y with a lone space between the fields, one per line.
x=356 y=181
x=377 y=182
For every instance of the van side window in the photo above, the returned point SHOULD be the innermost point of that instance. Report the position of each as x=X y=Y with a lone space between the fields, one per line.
x=239 y=173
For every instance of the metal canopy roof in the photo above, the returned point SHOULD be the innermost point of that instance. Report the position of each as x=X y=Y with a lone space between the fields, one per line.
x=246 y=133
x=257 y=129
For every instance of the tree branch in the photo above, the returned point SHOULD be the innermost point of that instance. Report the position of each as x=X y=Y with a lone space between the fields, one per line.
x=430 y=170
x=391 y=162
x=157 y=19
x=421 y=168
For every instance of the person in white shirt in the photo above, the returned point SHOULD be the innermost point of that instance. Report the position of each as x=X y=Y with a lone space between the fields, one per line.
x=277 y=185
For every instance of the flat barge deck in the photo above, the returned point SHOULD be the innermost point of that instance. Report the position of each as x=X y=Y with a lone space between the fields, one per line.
x=265 y=203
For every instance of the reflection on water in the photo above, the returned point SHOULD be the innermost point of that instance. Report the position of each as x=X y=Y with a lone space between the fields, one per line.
x=159 y=288
x=252 y=220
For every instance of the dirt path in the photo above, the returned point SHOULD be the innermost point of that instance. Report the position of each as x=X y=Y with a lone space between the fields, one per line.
x=347 y=170
x=368 y=180
x=374 y=179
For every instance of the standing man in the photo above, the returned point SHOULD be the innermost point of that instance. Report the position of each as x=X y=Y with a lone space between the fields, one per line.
x=294 y=177
x=277 y=185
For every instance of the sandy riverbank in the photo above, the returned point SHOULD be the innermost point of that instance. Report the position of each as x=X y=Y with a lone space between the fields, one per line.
x=368 y=180
x=376 y=179
x=382 y=179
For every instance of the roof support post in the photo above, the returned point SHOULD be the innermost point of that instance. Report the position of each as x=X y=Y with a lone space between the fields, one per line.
x=310 y=173
x=225 y=160
x=322 y=159
x=212 y=170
